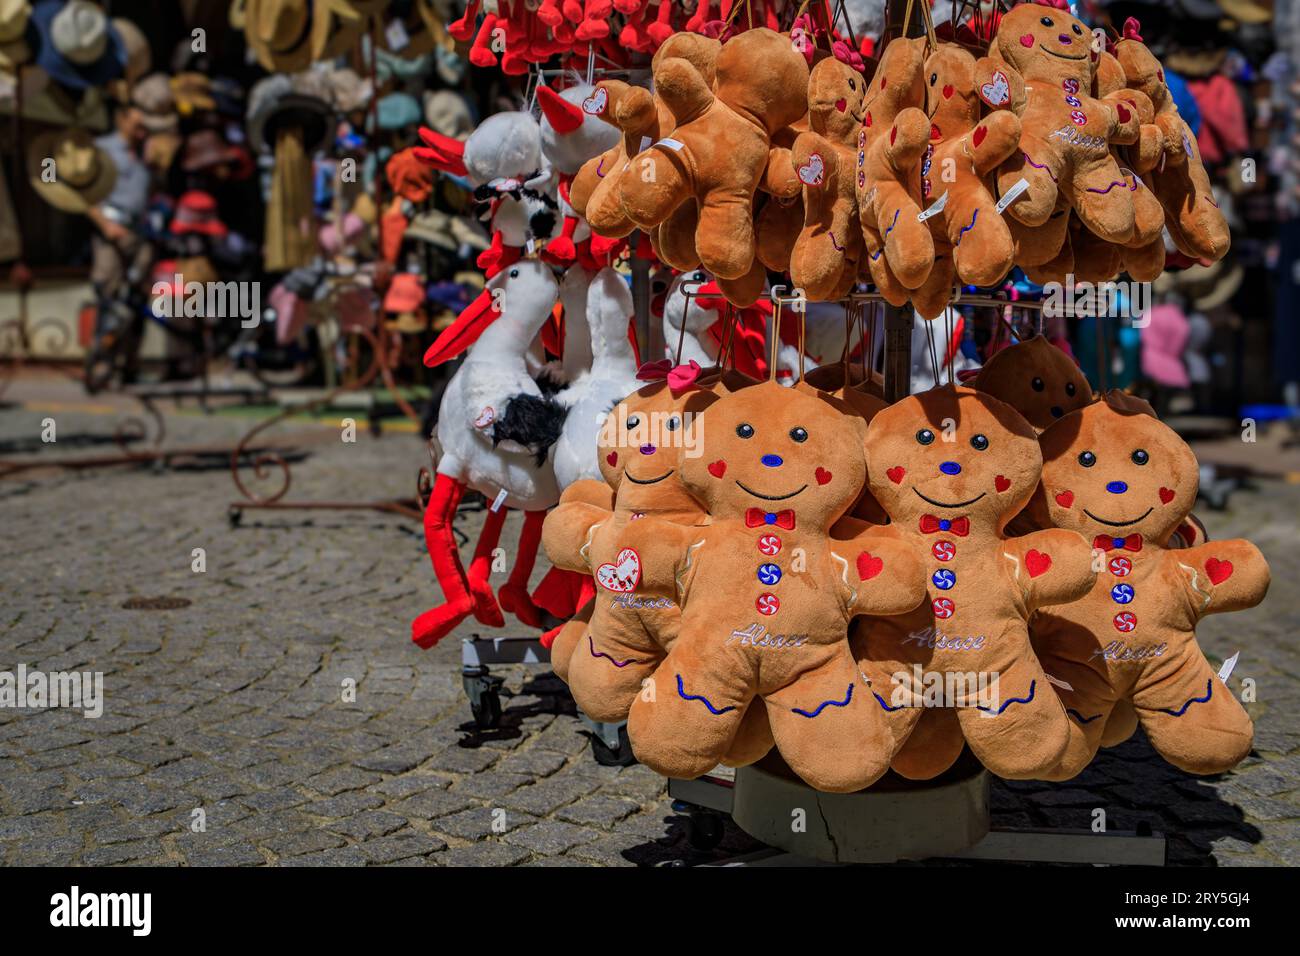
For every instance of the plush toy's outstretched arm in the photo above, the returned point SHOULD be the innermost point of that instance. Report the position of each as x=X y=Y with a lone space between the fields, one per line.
x=779 y=178
x=682 y=89
x=567 y=532
x=886 y=574
x=1223 y=575
x=999 y=140
x=998 y=84
x=1052 y=567
x=907 y=140
x=663 y=549
x=815 y=161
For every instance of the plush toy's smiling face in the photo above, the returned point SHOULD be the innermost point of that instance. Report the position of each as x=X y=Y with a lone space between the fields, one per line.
x=1045 y=43
x=647 y=435
x=950 y=96
x=897 y=82
x=1037 y=379
x=1114 y=469
x=835 y=94
x=776 y=450
x=1141 y=69
x=952 y=452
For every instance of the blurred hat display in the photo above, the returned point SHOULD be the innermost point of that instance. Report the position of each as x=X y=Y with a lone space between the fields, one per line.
x=205 y=149
x=408 y=177
x=277 y=102
x=279 y=33
x=448 y=113
x=160 y=150
x=193 y=93
x=1247 y=11
x=17 y=33
x=153 y=97
x=397 y=111
x=1164 y=339
x=83 y=173
x=78 y=46
x=197 y=214
x=334 y=237
x=139 y=58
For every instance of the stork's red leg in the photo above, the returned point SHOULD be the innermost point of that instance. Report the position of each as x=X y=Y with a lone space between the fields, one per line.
x=486 y=610
x=433 y=625
x=514 y=594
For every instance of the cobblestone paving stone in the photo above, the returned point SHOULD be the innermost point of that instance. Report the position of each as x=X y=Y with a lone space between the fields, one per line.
x=235 y=705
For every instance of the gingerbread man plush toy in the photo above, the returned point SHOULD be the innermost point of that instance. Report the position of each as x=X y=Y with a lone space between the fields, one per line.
x=767 y=589
x=1116 y=474
x=951 y=467
x=1067 y=133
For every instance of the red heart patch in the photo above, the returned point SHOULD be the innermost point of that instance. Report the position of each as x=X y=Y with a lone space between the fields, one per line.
x=612 y=458
x=1065 y=499
x=1218 y=571
x=948 y=90
x=896 y=474
x=822 y=476
x=718 y=468
x=841 y=104
x=869 y=565
x=1027 y=40
x=893 y=134
x=978 y=136
x=1123 y=112
x=1166 y=495
x=1001 y=483
x=867 y=120
x=1036 y=563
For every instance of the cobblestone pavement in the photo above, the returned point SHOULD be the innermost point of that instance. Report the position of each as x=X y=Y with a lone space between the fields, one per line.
x=235 y=704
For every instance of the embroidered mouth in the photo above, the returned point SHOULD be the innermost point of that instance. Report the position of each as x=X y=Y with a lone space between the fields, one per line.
x=646 y=481
x=770 y=497
x=1117 y=524
x=959 y=504
x=1062 y=55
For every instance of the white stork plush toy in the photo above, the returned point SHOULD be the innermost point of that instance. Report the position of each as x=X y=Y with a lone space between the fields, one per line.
x=496 y=426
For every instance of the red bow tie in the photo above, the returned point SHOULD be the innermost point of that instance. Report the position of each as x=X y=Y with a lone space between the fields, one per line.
x=757 y=516
x=958 y=526
x=1106 y=543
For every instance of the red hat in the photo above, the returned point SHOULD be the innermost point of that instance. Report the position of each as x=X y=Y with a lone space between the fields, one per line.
x=405 y=293
x=196 y=212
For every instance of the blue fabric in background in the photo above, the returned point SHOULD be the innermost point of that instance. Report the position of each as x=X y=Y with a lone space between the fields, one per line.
x=1183 y=99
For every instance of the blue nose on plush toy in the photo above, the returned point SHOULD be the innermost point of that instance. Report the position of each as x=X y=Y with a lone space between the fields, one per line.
x=1116 y=487
x=772 y=461
x=950 y=468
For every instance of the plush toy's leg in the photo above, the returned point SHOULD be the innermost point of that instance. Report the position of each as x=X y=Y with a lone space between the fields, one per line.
x=595 y=20
x=675 y=239
x=724 y=237
x=572 y=11
x=753 y=737
x=514 y=593
x=1192 y=718
x=486 y=610
x=685 y=721
x=434 y=624
x=1021 y=732
x=909 y=247
x=1103 y=202
x=1146 y=263
x=480 y=51
x=1039 y=165
x=611 y=663
x=746 y=290
x=1090 y=705
x=463 y=28
x=829 y=728
x=550 y=13
x=936 y=292
x=655 y=188
x=662 y=28
x=571 y=634
x=983 y=250
x=934 y=745
x=1120 y=725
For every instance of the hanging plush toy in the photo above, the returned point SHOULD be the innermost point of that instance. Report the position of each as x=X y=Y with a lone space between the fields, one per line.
x=719 y=150
x=495 y=429
x=1178 y=179
x=891 y=145
x=951 y=467
x=1117 y=475
x=781 y=467
x=1066 y=132
x=1035 y=378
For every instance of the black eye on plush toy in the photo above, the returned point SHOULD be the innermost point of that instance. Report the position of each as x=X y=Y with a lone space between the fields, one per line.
x=632 y=422
x=1037 y=385
x=799 y=434
x=1140 y=457
x=1087 y=459
x=745 y=430
x=1046 y=21
x=979 y=442
x=672 y=423
x=925 y=437
x=1070 y=389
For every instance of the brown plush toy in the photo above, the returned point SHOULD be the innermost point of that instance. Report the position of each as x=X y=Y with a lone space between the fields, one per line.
x=827 y=254
x=1178 y=178
x=971 y=238
x=767 y=589
x=951 y=467
x=719 y=150
x=893 y=139
x=1117 y=475
x=1067 y=133
x=1035 y=378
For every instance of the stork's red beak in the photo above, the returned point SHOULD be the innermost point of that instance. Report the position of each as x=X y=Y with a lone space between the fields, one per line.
x=441 y=152
x=563 y=115
x=464 y=332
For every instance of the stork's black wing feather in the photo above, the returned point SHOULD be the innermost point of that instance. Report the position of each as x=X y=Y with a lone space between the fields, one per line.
x=532 y=422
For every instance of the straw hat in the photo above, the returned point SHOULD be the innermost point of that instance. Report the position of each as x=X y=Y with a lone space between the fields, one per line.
x=79 y=47
x=277 y=101
x=83 y=173
x=338 y=24
x=139 y=59
x=279 y=33
x=193 y=93
x=152 y=96
x=17 y=33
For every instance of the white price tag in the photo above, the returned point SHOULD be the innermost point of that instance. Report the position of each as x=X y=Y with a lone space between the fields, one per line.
x=671 y=143
x=1057 y=681
x=1012 y=195
x=646 y=143
x=499 y=500
x=935 y=208
x=1226 y=670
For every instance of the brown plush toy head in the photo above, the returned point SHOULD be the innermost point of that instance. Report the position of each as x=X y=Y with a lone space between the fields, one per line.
x=951 y=98
x=1046 y=43
x=773 y=448
x=1139 y=67
x=645 y=439
x=759 y=78
x=1035 y=378
x=835 y=95
x=952 y=450
x=897 y=82
x=1114 y=469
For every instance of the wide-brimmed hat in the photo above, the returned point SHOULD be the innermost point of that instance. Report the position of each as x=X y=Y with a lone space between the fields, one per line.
x=1196 y=64
x=196 y=214
x=448 y=113
x=139 y=58
x=349 y=92
x=78 y=46
x=152 y=96
x=18 y=35
x=1247 y=11
x=83 y=174
x=160 y=150
x=281 y=101
x=193 y=93
x=279 y=33
x=205 y=149
x=338 y=24
x=397 y=111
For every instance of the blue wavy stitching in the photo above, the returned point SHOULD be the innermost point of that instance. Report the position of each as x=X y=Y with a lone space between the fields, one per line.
x=1209 y=690
x=596 y=653
x=876 y=255
x=966 y=229
x=1013 y=700
x=681 y=691
x=882 y=703
x=892 y=224
x=1079 y=717
x=826 y=703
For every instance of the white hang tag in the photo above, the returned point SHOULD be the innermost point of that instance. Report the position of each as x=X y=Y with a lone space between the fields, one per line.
x=1226 y=670
x=1057 y=681
x=935 y=208
x=1012 y=195
x=532 y=247
x=646 y=143
x=398 y=38
x=671 y=143
x=499 y=500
